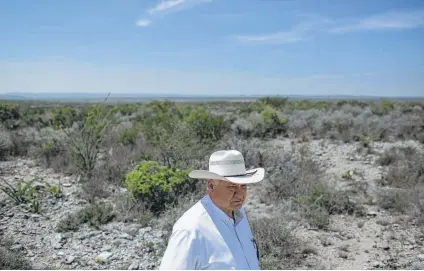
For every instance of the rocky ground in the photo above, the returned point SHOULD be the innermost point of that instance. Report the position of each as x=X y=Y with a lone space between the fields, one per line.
x=379 y=240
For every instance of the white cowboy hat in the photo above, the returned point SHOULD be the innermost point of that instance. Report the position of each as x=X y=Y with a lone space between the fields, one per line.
x=228 y=165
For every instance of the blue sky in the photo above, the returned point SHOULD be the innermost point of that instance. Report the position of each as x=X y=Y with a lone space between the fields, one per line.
x=285 y=47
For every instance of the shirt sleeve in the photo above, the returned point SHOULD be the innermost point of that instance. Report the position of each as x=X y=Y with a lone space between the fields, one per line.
x=181 y=252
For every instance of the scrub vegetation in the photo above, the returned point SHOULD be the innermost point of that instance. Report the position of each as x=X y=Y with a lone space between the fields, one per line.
x=328 y=163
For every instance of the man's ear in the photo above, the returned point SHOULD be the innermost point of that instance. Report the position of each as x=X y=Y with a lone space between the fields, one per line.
x=211 y=185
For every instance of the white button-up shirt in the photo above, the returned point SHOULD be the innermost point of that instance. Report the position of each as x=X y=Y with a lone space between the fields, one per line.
x=207 y=238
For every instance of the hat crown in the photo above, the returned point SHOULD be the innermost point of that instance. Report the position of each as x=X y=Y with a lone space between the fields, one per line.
x=227 y=163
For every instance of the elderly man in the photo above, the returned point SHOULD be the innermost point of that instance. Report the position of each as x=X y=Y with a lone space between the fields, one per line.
x=215 y=232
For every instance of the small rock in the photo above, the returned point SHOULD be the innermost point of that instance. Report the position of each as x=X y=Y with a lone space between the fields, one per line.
x=343 y=255
x=57 y=240
x=125 y=236
x=61 y=253
x=132 y=229
x=134 y=266
x=158 y=234
x=372 y=214
x=385 y=247
x=350 y=236
x=142 y=231
x=69 y=259
x=421 y=257
x=106 y=248
x=66 y=185
x=377 y=264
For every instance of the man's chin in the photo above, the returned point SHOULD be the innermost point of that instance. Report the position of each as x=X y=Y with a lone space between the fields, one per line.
x=237 y=204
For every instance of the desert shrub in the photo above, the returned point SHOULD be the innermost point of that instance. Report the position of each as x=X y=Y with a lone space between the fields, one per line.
x=393 y=200
x=11 y=259
x=95 y=187
x=128 y=210
x=322 y=201
x=129 y=136
x=383 y=107
x=276 y=102
x=84 y=142
x=279 y=248
x=9 y=115
x=207 y=126
x=95 y=215
x=272 y=123
x=406 y=173
x=158 y=185
x=289 y=174
x=266 y=124
x=50 y=150
x=306 y=105
x=395 y=154
x=302 y=123
x=173 y=142
x=6 y=144
x=113 y=166
x=62 y=117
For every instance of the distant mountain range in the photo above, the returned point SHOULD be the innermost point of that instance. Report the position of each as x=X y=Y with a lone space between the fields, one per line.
x=150 y=96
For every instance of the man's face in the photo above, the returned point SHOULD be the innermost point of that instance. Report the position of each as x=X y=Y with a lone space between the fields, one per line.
x=227 y=195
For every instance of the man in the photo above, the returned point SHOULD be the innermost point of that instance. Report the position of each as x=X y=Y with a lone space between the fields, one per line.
x=215 y=232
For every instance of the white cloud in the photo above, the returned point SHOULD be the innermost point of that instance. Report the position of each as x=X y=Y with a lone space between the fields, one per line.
x=279 y=37
x=385 y=21
x=164 y=5
x=299 y=32
x=143 y=23
x=303 y=31
x=174 y=5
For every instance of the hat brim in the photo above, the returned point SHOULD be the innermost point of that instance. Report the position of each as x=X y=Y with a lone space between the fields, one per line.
x=252 y=176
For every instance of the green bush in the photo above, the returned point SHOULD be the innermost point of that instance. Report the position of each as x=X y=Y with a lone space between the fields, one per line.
x=208 y=127
x=383 y=107
x=277 y=102
x=157 y=185
x=271 y=123
x=129 y=136
x=63 y=117
x=9 y=115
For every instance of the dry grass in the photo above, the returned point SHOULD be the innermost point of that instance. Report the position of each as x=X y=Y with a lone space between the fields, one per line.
x=289 y=174
x=279 y=248
x=11 y=259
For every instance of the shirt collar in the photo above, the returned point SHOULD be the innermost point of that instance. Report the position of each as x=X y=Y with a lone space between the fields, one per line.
x=209 y=204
